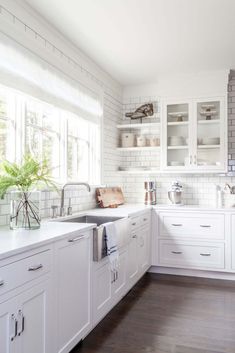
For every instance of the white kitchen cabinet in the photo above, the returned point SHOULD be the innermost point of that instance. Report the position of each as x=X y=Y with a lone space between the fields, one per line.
x=35 y=319
x=133 y=261
x=26 y=321
x=108 y=286
x=8 y=327
x=73 y=283
x=144 y=254
x=102 y=290
x=194 y=135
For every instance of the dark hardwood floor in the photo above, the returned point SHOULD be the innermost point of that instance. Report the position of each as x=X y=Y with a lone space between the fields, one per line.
x=169 y=314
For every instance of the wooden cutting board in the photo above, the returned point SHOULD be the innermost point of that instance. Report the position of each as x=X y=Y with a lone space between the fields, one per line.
x=107 y=197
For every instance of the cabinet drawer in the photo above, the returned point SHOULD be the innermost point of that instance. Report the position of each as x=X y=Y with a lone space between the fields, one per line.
x=134 y=223
x=187 y=254
x=22 y=271
x=145 y=220
x=192 y=225
x=140 y=221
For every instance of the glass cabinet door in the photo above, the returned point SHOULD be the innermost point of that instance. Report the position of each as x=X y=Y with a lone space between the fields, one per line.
x=210 y=139
x=177 y=135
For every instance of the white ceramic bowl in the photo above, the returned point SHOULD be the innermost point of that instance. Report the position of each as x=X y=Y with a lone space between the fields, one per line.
x=211 y=141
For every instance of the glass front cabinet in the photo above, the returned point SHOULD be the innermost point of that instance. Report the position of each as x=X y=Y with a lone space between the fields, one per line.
x=194 y=135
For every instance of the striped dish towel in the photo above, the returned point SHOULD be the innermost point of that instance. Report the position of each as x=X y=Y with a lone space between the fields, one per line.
x=111 y=245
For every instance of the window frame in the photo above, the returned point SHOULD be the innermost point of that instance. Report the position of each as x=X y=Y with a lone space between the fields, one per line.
x=18 y=132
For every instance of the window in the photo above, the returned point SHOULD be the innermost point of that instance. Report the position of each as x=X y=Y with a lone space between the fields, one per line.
x=70 y=143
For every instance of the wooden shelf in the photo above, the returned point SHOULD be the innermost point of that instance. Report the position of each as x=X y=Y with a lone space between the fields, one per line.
x=208 y=146
x=138 y=126
x=183 y=147
x=148 y=148
x=177 y=123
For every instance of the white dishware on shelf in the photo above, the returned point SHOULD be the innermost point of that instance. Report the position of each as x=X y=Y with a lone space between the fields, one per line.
x=154 y=141
x=176 y=140
x=140 y=141
x=176 y=163
x=127 y=139
x=210 y=141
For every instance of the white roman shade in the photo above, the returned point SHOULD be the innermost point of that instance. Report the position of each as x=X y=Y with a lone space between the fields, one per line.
x=25 y=71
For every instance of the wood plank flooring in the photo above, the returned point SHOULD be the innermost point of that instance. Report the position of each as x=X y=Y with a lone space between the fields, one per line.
x=169 y=314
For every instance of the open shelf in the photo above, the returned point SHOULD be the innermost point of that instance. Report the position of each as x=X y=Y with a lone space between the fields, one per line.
x=183 y=147
x=177 y=123
x=215 y=121
x=147 y=171
x=208 y=146
x=147 y=148
x=138 y=126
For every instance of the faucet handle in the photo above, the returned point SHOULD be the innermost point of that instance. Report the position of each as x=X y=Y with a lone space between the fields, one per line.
x=54 y=211
x=69 y=209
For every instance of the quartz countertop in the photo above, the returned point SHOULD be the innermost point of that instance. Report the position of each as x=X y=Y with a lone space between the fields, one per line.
x=13 y=242
x=17 y=241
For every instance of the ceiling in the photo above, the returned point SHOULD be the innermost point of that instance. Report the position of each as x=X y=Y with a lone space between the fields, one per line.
x=138 y=41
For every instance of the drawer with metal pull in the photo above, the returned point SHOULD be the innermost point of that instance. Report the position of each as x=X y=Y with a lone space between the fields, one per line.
x=24 y=270
x=204 y=226
x=140 y=221
x=191 y=254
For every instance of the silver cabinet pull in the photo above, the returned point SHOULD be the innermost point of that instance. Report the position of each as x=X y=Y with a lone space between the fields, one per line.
x=113 y=276
x=205 y=254
x=73 y=240
x=145 y=219
x=195 y=159
x=177 y=224
x=133 y=224
x=134 y=236
x=35 y=268
x=116 y=275
x=190 y=159
x=15 y=324
x=2 y=282
x=177 y=252
x=21 y=320
x=205 y=226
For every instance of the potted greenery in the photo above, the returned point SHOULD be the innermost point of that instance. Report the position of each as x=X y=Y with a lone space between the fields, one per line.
x=25 y=199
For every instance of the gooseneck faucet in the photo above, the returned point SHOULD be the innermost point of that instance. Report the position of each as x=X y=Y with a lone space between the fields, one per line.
x=62 y=212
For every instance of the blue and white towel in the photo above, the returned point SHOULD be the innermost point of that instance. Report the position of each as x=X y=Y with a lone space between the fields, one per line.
x=111 y=245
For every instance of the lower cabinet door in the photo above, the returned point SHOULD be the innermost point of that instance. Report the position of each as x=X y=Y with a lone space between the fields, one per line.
x=120 y=278
x=102 y=291
x=133 y=261
x=144 y=249
x=8 y=327
x=73 y=272
x=34 y=316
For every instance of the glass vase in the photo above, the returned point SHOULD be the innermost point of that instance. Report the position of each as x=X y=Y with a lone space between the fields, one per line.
x=25 y=210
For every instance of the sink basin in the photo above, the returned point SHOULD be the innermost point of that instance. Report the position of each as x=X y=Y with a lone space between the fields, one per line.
x=92 y=219
x=99 y=242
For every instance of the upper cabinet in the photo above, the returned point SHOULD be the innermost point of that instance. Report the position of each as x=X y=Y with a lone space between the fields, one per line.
x=194 y=135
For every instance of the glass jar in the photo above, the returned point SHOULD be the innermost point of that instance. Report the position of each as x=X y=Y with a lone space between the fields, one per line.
x=25 y=210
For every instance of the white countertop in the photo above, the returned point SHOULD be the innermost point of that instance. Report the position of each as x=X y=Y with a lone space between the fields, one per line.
x=17 y=241
x=13 y=242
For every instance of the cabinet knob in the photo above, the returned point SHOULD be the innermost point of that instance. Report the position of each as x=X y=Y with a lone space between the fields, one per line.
x=133 y=224
x=2 y=282
x=134 y=236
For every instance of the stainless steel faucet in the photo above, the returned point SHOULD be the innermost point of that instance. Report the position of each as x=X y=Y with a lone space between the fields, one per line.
x=62 y=212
